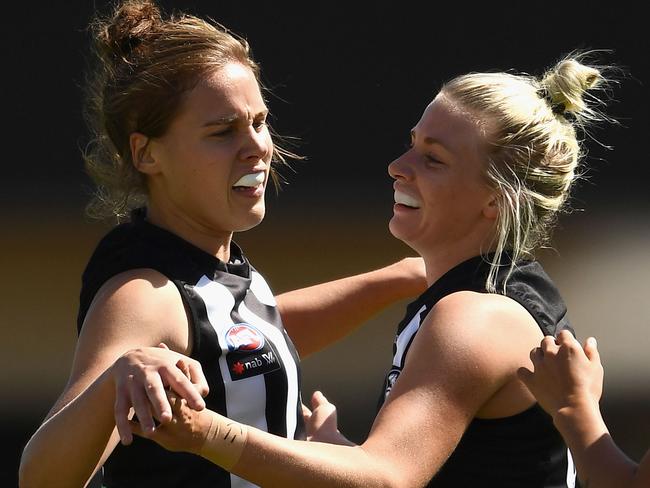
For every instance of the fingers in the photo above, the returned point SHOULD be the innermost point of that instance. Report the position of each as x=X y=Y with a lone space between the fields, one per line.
x=548 y=345
x=591 y=349
x=306 y=413
x=122 y=411
x=536 y=355
x=183 y=387
x=193 y=371
x=197 y=378
x=317 y=398
x=157 y=396
x=565 y=337
x=140 y=404
x=141 y=380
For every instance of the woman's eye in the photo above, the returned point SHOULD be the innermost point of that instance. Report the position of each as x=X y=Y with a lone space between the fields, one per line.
x=259 y=124
x=221 y=133
x=432 y=160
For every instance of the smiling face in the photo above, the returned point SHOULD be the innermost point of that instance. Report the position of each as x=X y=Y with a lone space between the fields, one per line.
x=442 y=201
x=208 y=173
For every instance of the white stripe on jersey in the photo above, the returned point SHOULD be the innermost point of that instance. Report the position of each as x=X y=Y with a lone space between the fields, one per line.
x=570 y=471
x=280 y=343
x=246 y=398
x=261 y=289
x=404 y=338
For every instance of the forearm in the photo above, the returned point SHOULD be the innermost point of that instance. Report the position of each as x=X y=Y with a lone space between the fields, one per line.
x=271 y=461
x=599 y=462
x=322 y=314
x=66 y=448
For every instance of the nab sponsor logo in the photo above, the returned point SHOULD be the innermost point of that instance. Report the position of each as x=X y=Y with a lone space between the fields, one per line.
x=244 y=338
x=250 y=364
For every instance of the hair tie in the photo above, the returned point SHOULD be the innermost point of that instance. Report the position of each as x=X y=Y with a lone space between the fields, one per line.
x=558 y=108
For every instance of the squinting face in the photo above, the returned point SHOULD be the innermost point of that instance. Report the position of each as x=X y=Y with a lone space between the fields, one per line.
x=440 y=189
x=214 y=159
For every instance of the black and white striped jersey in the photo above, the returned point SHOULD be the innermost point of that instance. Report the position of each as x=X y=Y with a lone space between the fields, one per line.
x=524 y=450
x=250 y=363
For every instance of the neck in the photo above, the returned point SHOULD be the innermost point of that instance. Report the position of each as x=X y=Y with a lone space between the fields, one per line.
x=191 y=230
x=440 y=259
x=437 y=264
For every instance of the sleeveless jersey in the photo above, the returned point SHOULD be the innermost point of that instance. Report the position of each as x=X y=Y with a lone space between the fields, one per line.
x=523 y=450
x=250 y=364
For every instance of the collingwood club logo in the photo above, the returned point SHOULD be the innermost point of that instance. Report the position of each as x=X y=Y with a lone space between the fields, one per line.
x=249 y=352
x=243 y=337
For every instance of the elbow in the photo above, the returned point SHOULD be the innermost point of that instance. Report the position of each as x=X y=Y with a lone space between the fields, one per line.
x=26 y=477
x=30 y=471
x=381 y=473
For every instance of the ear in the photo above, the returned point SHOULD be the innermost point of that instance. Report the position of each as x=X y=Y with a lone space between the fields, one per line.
x=491 y=209
x=141 y=154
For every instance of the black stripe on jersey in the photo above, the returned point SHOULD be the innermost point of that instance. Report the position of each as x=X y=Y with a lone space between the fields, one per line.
x=268 y=313
x=300 y=433
x=208 y=340
x=276 y=402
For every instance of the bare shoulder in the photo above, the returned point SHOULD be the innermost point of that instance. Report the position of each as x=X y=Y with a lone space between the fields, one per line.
x=140 y=306
x=493 y=329
x=137 y=308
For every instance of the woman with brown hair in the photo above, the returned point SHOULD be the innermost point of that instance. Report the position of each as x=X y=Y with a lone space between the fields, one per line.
x=183 y=155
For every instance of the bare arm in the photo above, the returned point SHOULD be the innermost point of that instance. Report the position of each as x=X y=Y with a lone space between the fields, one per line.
x=319 y=315
x=567 y=380
x=427 y=412
x=134 y=309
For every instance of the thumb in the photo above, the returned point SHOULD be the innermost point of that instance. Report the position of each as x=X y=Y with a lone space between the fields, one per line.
x=591 y=349
x=318 y=399
x=163 y=346
x=306 y=413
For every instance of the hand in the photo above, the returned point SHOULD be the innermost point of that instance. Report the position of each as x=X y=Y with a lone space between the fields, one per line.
x=321 y=421
x=141 y=378
x=564 y=376
x=186 y=431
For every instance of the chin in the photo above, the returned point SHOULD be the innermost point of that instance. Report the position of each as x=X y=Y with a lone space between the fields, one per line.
x=396 y=229
x=401 y=232
x=253 y=219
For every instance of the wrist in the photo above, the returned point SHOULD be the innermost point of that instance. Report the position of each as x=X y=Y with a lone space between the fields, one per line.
x=224 y=441
x=580 y=423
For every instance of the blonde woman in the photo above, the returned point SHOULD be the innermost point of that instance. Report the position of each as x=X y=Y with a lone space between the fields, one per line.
x=491 y=163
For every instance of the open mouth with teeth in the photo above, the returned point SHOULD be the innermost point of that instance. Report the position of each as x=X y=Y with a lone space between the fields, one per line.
x=250 y=181
x=406 y=200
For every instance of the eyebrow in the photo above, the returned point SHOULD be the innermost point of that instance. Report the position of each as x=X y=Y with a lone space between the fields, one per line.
x=229 y=119
x=431 y=141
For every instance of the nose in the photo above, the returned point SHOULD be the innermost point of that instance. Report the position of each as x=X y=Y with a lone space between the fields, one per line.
x=257 y=145
x=400 y=169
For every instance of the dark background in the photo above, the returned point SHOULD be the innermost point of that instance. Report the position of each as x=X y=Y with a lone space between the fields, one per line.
x=348 y=80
